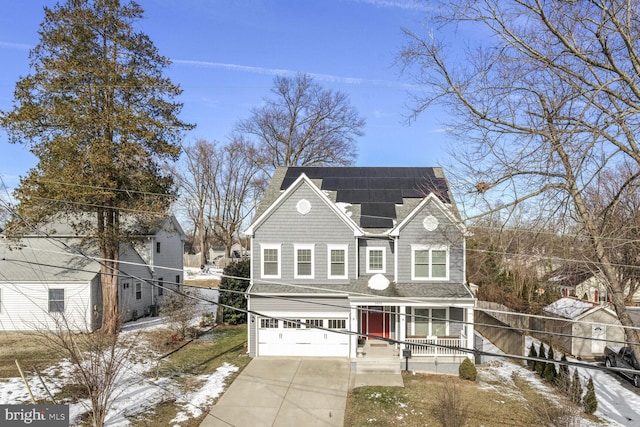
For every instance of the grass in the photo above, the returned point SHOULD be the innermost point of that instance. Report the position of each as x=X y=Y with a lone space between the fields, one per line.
x=29 y=349
x=489 y=402
x=203 y=356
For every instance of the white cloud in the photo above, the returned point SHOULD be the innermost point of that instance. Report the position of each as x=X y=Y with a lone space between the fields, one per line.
x=398 y=4
x=284 y=72
x=11 y=45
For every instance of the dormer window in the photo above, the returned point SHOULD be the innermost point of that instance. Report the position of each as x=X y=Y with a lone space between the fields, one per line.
x=376 y=260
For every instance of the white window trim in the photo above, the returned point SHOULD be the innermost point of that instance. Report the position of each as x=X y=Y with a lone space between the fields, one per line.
x=345 y=248
x=415 y=248
x=384 y=260
x=264 y=246
x=295 y=265
x=430 y=320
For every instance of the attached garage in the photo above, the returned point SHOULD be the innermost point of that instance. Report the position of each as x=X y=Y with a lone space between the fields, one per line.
x=324 y=336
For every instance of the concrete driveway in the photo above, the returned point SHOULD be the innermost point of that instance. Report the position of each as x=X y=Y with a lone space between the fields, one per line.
x=285 y=391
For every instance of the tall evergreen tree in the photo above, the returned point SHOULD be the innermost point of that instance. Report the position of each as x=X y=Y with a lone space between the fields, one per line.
x=100 y=117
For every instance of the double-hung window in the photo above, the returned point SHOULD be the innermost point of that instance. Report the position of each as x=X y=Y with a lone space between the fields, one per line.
x=304 y=261
x=56 y=300
x=429 y=322
x=338 y=265
x=429 y=263
x=271 y=254
x=138 y=290
x=376 y=259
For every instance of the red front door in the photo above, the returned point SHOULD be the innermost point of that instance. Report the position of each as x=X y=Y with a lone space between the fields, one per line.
x=375 y=322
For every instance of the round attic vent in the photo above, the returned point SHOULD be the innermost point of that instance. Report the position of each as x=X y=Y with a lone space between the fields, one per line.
x=378 y=282
x=430 y=223
x=303 y=206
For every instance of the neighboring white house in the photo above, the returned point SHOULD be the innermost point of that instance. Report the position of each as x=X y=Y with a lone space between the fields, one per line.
x=43 y=277
x=356 y=261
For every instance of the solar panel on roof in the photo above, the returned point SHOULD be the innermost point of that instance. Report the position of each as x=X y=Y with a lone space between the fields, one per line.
x=377 y=189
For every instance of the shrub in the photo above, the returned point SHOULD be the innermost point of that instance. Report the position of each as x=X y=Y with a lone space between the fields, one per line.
x=467 y=370
x=540 y=365
x=449 y=407
x=590 y=402
x=233 y=281
x=531 y=363
x=563 y=379
x=575 y=392
x=550 y=373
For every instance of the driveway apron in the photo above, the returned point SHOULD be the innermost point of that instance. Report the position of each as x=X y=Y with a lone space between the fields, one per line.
x=285 y=391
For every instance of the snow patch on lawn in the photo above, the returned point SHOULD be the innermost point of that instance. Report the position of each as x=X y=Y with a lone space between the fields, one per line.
x=213 y=386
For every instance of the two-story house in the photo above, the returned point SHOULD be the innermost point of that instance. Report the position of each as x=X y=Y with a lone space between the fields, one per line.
x=48 y=275
x=346 y=256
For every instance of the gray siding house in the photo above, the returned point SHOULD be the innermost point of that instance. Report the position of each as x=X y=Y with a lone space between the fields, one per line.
x=348 y=259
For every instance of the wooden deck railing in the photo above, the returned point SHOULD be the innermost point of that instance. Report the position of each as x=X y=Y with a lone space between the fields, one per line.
x=435 y=346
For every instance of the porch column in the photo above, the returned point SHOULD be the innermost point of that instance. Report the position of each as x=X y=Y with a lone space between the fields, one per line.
x=353 y=328
x=402 y=336
x=470 y=331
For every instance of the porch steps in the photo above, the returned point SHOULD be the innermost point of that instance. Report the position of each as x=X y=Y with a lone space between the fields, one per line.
x=378 y=367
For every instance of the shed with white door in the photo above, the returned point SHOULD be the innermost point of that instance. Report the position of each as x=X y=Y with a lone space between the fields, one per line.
x=579 y=328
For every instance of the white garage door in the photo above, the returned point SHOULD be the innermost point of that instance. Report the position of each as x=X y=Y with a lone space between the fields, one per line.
x=290 y=338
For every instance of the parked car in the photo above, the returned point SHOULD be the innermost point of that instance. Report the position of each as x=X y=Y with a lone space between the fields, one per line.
x=623 y=357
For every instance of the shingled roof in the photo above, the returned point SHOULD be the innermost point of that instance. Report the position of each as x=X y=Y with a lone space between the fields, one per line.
x=376 y=197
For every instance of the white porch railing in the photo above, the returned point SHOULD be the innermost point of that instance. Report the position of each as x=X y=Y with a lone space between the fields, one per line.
x=435 y=346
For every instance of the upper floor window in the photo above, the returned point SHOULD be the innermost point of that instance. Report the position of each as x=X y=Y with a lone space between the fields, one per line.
x=337 y=261
x=429 y=262
x=271 y=260
x=56 y=300
x=376 y=260
x=304 y=261
x=157 y=247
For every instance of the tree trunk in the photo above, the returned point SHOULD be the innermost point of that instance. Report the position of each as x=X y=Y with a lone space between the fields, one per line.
x=109 y=252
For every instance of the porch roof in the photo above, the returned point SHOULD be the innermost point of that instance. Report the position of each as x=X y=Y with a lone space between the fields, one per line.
x=358 y=288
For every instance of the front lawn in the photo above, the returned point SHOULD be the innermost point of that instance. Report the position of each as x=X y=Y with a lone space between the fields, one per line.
x=494 y=400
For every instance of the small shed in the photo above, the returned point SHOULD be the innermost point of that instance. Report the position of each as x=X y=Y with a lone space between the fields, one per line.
x=579 y=328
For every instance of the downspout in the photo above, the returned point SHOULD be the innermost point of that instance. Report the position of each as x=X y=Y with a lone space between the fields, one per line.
x=395 y=258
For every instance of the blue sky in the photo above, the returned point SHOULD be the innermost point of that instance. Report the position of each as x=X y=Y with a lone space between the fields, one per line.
x=226 y=53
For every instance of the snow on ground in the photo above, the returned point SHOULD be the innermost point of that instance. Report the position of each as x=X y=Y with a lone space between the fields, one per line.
x=618 y=405
x=137 y=390
x=196 y=273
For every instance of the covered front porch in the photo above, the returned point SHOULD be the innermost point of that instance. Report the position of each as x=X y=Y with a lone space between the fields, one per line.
x=433 y=337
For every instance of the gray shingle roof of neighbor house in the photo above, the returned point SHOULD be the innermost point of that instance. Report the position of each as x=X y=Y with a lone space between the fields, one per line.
x=376 y=197
x=39 y=260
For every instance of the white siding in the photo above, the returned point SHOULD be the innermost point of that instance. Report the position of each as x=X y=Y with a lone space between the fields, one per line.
x=25 y=306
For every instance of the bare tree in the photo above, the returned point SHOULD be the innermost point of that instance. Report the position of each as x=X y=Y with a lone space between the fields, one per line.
x=303 y=125
x=219 y=185
x=98 y=360
x=236 y=191
x=615 y=203
x=196 y=177
x=546 y=101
